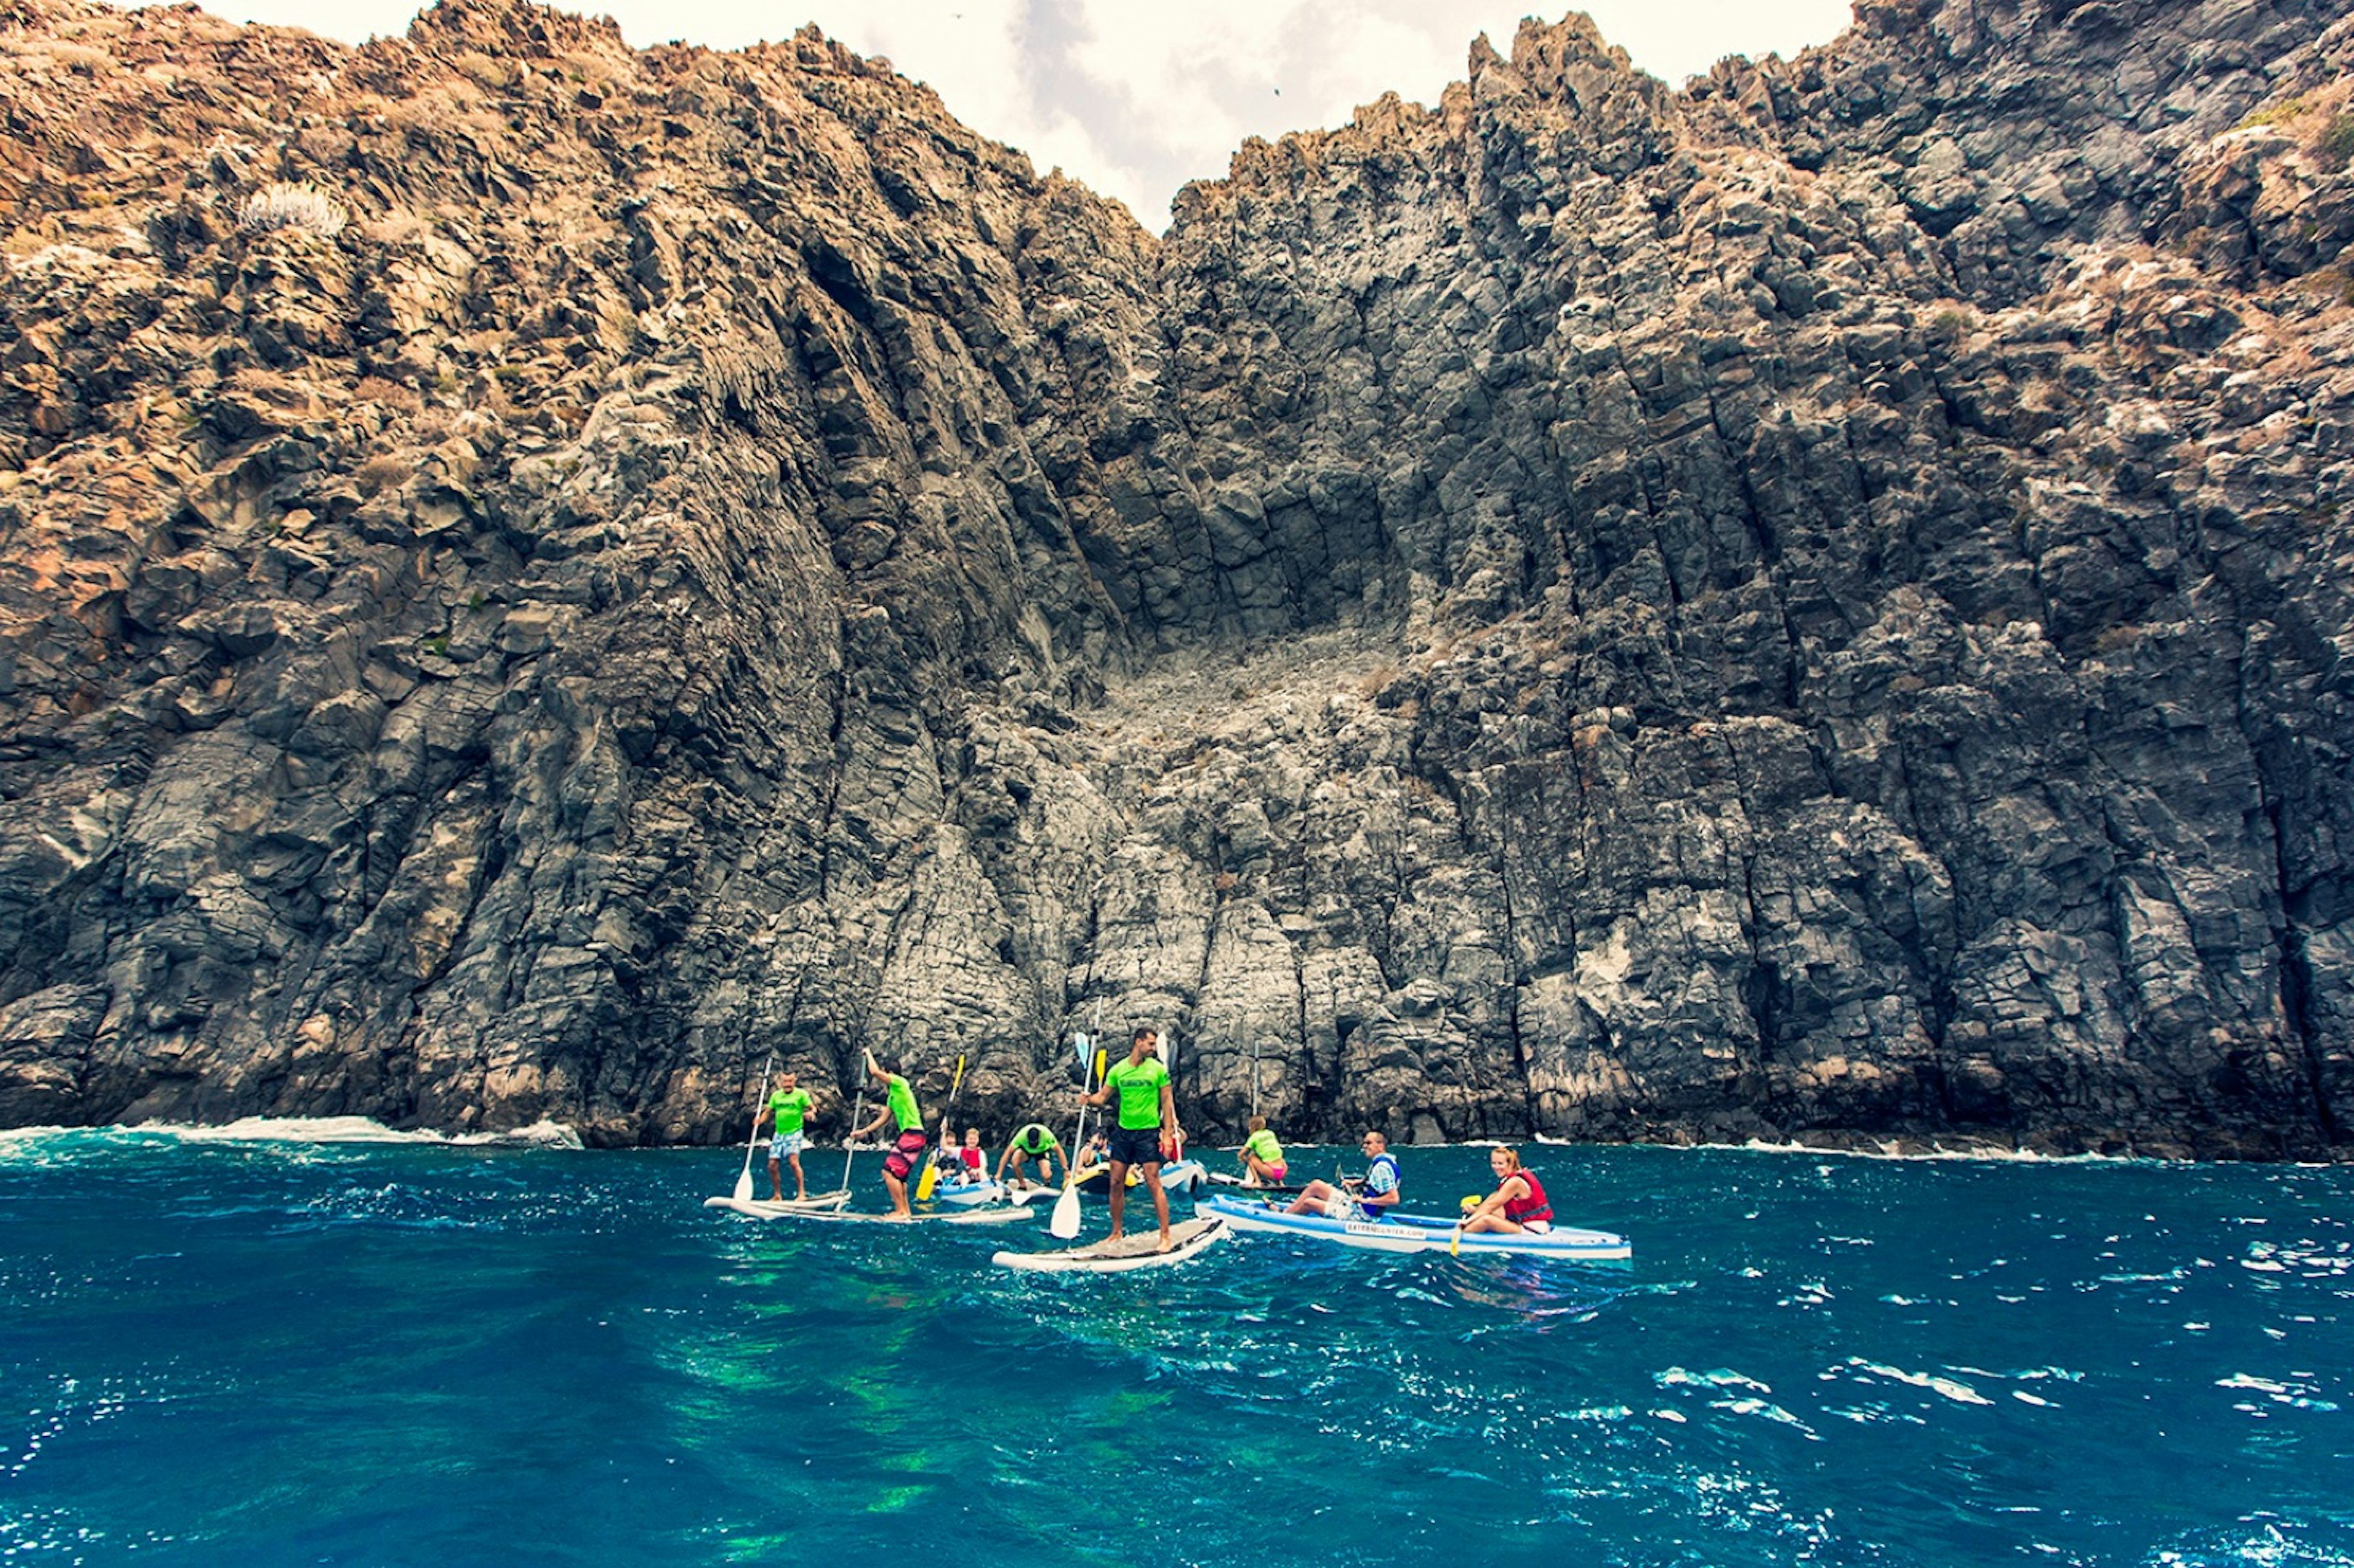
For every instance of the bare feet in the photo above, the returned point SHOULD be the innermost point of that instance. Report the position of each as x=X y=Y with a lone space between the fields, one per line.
x=1165 y=1242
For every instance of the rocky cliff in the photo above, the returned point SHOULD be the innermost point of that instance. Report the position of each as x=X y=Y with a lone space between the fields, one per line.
x=1812 y=605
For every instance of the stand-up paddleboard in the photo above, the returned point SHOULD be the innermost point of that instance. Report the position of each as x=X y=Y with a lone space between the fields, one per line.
x=761 y=1211
x=816 y=1202
x=1134 y=1250
x=1183 y=1176
x=1179 y=1177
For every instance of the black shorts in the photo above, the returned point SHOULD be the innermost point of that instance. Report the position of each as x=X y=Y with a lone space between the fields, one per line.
x=1135 y=1146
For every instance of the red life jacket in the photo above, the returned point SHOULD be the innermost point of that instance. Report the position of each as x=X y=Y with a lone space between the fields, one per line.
x=1520 y=1211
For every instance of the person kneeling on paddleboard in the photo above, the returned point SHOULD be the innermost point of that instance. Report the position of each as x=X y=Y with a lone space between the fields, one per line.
x=907 y=1154
x=1146 y=1132
x=1037 y=1142
x=1262 y=1157
x=1376 y=1195
x=1518 y=1203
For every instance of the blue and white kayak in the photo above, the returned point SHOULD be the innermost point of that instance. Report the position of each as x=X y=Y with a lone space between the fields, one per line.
x=967 y=1194
x=975 y=1194
x=1420 y=1232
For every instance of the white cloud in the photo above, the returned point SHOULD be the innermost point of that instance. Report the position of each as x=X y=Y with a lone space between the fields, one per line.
x=1134 y=98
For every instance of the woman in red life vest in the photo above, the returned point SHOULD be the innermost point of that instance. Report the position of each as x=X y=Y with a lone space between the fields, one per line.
x=1518 y=1203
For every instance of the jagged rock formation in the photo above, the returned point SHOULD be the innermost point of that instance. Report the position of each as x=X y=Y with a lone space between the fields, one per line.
x=1812 y=605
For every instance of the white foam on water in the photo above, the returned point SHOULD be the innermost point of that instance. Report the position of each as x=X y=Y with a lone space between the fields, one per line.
x=1958 y=1391
x=1721 y=1377
x=1972 y=1153
x=304 y=1131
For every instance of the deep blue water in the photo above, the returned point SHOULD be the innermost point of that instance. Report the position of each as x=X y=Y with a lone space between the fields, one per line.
x=267 y=1353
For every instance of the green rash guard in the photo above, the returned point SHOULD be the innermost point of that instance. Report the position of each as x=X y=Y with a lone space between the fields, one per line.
x=1262 y=1144
x=789 y=1110
x=902 y=1101
x=1035 y=1139
x=1139 y=1087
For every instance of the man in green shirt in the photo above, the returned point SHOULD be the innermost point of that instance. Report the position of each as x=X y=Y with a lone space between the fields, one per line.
x=787 y=1110
x=1035 y=1141
x=908 y=1152
x=1144 y=1132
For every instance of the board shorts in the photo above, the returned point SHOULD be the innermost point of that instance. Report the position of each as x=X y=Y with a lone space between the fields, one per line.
x=905 y=1154
x=1135 y=1145
x=785 y=1148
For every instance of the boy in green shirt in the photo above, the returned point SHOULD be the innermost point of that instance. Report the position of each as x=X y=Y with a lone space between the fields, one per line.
x=787 y=1110
x=1145 y=1131
x=898 y=1105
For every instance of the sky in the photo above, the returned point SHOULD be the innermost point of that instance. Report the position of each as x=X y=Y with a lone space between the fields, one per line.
x=1134 y=98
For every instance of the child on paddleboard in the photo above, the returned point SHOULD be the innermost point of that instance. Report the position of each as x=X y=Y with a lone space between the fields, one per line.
x=1262 y=1157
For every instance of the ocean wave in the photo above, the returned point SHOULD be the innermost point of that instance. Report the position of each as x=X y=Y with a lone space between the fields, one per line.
x=41 y=1143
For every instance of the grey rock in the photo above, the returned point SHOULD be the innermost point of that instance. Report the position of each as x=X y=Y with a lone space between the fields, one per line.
x=1810 y=605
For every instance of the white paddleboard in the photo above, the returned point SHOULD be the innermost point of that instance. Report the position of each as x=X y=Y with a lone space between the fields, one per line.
x=770 y=1208
x=1133 y=1251
x=764 y=1210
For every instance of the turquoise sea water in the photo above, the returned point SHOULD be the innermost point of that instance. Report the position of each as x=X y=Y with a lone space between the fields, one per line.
x=277 y=1352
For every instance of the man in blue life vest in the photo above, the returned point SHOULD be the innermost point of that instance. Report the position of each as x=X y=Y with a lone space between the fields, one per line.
x=1376 y=1196
x=1144 y=1133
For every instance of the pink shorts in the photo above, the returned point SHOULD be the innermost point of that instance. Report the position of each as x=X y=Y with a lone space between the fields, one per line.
x=906 y=1153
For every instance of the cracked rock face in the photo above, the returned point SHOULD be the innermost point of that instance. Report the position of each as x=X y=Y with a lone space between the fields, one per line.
x=1814 y=606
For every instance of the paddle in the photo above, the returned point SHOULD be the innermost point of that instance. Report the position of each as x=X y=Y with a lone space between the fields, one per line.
x=857 y=1104
x=1066 y=1222
x=931 y=1176
x=744 y=1183
x=1169 y=1066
